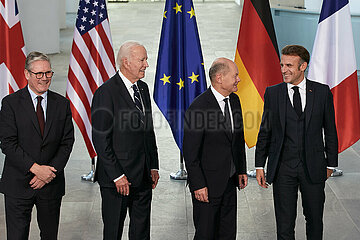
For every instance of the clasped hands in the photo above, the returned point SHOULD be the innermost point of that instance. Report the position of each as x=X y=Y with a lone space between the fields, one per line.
x=43 y=175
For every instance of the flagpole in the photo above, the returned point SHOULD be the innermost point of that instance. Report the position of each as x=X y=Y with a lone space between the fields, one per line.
x=90 y=176
x=181 y=174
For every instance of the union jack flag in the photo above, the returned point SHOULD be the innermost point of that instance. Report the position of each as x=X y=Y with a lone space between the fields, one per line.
x=12 y=49
x=92 y=63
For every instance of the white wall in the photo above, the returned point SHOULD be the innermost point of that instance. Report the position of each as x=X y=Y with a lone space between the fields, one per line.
x=72 y=6
x=40 y=25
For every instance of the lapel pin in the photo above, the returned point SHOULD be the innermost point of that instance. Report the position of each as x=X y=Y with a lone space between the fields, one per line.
x=310 y=90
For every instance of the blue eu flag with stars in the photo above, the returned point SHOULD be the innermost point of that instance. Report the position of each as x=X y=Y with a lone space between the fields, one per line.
x=180 y=75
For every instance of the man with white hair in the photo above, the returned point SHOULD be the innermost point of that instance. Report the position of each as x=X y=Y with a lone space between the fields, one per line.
x=124 y=139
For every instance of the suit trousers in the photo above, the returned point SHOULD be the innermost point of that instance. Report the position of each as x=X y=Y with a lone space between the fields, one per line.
x=18 y=217
x=285 y=191
x=114 y=210
x=216 y=220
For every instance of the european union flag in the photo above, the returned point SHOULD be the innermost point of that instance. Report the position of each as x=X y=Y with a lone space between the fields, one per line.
x=180 y=75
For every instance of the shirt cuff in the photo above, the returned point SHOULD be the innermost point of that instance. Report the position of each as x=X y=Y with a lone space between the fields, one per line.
x=331 y=168
x=259 y=168
x=116 y=179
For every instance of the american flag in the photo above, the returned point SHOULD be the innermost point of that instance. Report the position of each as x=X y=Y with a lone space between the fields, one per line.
x=92 y=63
x=12 y=49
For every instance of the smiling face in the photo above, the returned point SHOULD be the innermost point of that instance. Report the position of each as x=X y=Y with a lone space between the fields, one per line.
x=136 y=64
x=292 y=69
x=38 y=86
x=229 y=79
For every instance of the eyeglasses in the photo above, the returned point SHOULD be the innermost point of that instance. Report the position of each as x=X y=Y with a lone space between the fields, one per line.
x=39 y=75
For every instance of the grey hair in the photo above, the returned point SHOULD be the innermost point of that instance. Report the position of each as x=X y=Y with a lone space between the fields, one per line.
x=125 y=51
x=35 y=56
x=218 y=66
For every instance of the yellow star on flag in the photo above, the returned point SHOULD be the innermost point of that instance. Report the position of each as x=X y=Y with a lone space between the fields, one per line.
x=181 y=84
x=194 y=77
x=165 y=14
x=177 y=8
x=165 y=79
x=191 y=12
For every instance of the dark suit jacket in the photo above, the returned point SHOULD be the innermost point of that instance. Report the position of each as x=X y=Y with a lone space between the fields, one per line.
x=208 y=147
x=23 y=145
x=319 y=116
x=124 y=145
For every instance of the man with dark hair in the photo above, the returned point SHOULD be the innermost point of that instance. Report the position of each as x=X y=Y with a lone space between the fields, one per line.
x=37 y=135
x=124 y=139
x=214 y=153
x=298 y=138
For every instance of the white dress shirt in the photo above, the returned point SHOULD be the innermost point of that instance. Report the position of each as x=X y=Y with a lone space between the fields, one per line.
x=220 y=100
x=302 y=91
x=35 y=101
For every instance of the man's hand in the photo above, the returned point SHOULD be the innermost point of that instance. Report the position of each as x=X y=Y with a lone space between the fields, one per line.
x=329 y=172
x=36 y=183
x=260 y=177
x=155 y=178
x=243 y=180
x=202 y=194
x=123 y=186
x=43 y=172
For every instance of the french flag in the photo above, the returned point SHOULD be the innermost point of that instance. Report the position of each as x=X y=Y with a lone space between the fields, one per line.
x=333 y=63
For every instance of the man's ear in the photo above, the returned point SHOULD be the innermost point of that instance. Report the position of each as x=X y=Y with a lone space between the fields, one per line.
x=303 y=66
x=218 y=78
x=27 y=74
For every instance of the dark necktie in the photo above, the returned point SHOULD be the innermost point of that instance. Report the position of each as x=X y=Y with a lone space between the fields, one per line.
x=40 y=115
x=297 y=100
x=137 y=99
x=227 y=115
x=228 y=126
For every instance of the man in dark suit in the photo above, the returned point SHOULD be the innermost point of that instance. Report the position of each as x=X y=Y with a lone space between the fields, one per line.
x=214 y=153
x=37 y=135
x=298 y=136
x=124 y=139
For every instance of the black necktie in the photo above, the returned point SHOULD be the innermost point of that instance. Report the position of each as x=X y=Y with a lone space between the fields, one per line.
x=137 y=99
x=297 y=100
x=40 y=115
x=227 y=115
x=228 y=126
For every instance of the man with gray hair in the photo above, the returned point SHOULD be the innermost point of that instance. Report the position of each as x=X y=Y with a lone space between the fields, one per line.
x=214 y=153
x=124 y=139
x=37 y=135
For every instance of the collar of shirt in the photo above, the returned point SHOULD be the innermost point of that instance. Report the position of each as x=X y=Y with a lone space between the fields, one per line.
x=302 y=91
x=219 y=98
x=34 y=100
x=128 y=84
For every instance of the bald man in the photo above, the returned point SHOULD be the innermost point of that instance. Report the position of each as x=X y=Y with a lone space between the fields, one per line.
x=214 y=153
x=124 y=139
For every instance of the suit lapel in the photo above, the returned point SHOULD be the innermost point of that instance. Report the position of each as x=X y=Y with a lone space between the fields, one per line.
x=213 y=104
x=28 y=105
x=282 y=104
x=124 y=93
x=50 y=112
x=310 y=91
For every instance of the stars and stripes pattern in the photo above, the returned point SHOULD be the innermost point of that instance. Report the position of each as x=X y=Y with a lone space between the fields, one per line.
x=12 y=49
x=92 y=63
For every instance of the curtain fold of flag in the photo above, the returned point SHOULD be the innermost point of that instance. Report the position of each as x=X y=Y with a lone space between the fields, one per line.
x=333 y=63
x=12 y=49
x=257 y=58
x=92 y=63
x=180 y=75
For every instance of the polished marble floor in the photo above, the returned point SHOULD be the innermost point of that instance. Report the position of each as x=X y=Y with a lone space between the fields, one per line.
x=218 y=25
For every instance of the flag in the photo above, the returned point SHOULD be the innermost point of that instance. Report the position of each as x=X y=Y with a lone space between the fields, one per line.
x=333 y=63
x=257 y=58
x=180 y=75
x=12 y=49
x=92 y=63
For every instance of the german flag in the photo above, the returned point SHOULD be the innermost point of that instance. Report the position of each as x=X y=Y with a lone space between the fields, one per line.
x=257 y=57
